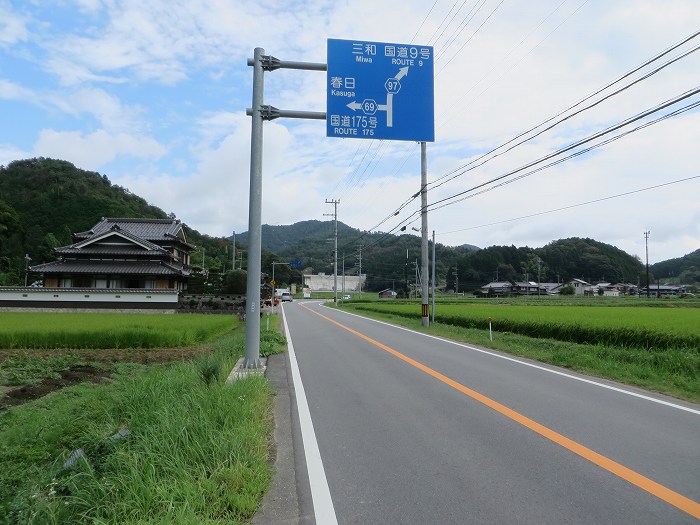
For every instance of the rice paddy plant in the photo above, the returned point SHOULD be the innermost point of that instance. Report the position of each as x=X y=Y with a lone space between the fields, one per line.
x=649 y=328
x=102 y=330
x=675 y=370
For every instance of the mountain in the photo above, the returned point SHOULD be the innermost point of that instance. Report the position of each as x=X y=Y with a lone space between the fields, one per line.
x=685 y=269
x=43 y=201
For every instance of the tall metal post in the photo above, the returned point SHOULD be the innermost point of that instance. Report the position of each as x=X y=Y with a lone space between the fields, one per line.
x=646 y=244
x=252 y=325
x=433 y=277
x=274 y=284
x=424 y=233
x=233 y=267
x=360 y=274
x=335 y=249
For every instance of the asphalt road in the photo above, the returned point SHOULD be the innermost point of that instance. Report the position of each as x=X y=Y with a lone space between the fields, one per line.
x=409 y=429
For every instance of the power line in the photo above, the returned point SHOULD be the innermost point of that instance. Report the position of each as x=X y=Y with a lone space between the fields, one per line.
x=432 y=206
x=563 y=208
x=470 y=38
x=424 y=20
x=581 y=142
x=624 y=88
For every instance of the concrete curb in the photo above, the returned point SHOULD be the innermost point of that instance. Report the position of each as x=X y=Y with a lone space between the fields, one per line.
x=288 y=502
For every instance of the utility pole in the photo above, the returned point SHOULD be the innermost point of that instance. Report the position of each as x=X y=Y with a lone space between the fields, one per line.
x=405 y=273
x=234 y=251
x=335 y=247
x=360 y=274
x=433 y=277
x=646 y=243
x=456 y=281
x=26 y=268
x=424 y=233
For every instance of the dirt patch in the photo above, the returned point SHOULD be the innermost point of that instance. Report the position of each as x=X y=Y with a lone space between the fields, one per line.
x=72 y=376
x=16 y=395
x=143 y=356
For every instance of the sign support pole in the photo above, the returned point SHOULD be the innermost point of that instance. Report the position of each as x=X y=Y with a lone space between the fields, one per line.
x=424 y=233
x=252 y=318
x=259 y=113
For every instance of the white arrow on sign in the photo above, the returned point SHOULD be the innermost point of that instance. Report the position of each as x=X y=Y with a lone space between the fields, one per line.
x=388 y=107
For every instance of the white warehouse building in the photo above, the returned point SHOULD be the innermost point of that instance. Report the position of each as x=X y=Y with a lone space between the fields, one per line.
x=324 y=283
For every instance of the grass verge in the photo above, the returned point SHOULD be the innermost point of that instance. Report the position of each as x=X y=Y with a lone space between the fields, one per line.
x=160 y=444
x=672 y=371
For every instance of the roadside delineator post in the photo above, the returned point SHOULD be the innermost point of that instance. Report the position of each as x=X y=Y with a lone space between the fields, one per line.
x=490 y=332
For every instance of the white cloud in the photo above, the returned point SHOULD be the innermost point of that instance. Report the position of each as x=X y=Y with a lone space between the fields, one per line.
x=9 y=153
x=106 y=108
x=13 y=27
x=93 y=150
x=12 y=91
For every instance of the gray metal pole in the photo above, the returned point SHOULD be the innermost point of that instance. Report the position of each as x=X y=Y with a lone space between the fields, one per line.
x=433 y=277
x=335 y=249
x=424 y=233
x=252 y=326
x=335 y=258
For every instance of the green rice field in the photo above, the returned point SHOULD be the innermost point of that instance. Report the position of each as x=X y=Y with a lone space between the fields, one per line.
x=622 y=326
x=654 y=347
x=106 y=330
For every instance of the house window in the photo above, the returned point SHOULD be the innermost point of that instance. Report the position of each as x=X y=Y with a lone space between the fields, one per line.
x=65 y=283
x=101 y=283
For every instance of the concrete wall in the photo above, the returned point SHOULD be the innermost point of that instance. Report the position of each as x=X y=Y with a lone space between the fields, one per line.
x=88 y=298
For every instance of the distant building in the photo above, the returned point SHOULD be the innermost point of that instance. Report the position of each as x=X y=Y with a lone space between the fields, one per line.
x=324 y=283
x=513 y=288
x=118 y=264
x=387 y=294
x=122 y=253
x=580 y=287
x=663 y=290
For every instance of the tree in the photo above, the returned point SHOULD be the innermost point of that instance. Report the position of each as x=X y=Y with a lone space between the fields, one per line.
x=235 y=282
x=567 y=289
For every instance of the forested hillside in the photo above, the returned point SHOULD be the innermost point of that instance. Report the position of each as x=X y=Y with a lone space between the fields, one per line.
x=43 y=201
x=683 y=270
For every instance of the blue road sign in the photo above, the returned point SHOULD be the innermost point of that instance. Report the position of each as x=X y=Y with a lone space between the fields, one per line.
x=378 y=90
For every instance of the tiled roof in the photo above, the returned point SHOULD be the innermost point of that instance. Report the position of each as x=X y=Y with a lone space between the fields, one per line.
x=121 y=251
x=148 y=229
x=123 y=268
x=116 y=231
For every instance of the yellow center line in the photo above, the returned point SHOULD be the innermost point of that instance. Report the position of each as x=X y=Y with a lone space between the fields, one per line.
x=677 y=500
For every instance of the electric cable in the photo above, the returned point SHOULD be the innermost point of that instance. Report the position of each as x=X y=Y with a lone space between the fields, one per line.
x=563 y=208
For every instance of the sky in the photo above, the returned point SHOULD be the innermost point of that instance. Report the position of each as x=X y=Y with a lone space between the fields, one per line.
x=154 y=95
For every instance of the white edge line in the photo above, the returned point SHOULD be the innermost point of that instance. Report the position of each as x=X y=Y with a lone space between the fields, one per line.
x=320 y=493
x=531 y=365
